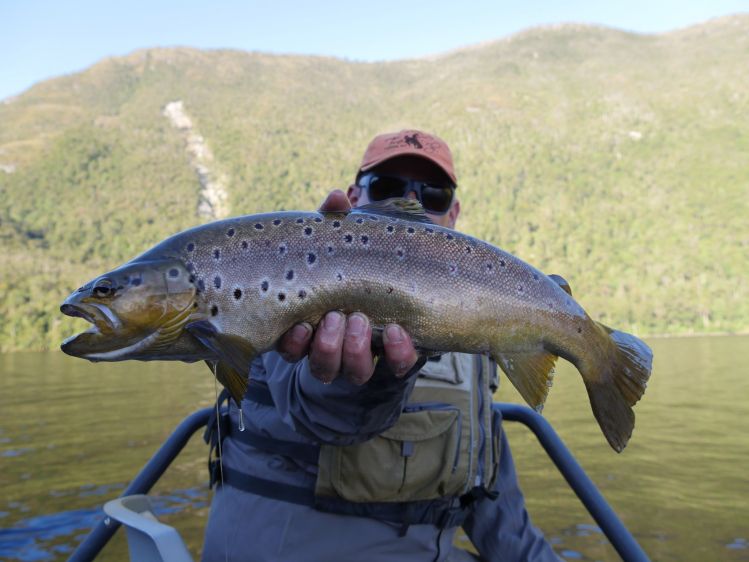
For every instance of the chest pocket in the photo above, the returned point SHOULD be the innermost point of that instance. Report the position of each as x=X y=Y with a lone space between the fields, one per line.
x=440 y=446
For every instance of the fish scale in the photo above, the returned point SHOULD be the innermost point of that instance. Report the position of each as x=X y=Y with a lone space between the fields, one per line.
x=247 y=280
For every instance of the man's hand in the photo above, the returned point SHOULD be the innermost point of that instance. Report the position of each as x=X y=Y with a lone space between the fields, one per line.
x=342 y=344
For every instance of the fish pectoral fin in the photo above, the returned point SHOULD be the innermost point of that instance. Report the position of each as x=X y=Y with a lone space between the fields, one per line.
x=231 y=380
x=397 y=208
x=532 y=373
x=235 y=352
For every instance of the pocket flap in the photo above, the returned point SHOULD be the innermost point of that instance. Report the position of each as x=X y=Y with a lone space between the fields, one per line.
x=422 y=425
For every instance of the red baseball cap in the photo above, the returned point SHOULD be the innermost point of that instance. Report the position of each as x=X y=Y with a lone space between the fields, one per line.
x=409 y=142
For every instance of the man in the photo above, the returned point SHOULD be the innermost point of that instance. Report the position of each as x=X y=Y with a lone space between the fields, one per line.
x=338 y=456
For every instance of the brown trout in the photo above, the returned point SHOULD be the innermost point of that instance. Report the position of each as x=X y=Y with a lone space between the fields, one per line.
x=226 y=291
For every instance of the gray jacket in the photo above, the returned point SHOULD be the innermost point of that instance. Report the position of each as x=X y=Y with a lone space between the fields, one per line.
x=243 y=526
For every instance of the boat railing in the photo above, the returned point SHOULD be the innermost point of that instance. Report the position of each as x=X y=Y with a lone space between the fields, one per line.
x=606 y=518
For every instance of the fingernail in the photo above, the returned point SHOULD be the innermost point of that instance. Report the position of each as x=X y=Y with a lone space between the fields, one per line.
x=357 y=325
x=332 y=322
x=393 y=334
x=300 y=332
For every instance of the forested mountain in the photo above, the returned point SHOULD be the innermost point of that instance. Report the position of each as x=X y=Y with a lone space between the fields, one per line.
x=618 y=160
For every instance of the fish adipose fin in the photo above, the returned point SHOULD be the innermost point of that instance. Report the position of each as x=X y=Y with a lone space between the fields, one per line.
x=235 y=352
x=532 y=373
x=406 y=209
x=619 y=386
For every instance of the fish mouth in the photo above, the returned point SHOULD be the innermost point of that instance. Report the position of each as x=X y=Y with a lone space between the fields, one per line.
x=100 y=337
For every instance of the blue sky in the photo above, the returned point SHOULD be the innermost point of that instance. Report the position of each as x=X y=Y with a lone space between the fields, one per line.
x=41 y=39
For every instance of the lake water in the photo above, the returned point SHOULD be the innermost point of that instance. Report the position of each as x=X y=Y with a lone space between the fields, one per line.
x=72 y=434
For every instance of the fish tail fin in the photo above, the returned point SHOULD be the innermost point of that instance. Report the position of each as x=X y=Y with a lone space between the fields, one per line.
x=531 y=373
x=619 y=385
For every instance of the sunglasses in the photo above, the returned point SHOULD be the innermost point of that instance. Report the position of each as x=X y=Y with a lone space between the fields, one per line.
x=435 y=198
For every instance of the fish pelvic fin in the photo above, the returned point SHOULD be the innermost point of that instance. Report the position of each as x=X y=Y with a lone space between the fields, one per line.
x=619 y=386
x=531 y=373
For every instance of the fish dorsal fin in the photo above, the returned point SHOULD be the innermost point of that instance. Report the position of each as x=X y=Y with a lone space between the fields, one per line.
x=397 y=208
x=233 y=352
x=562 y=282
x=531 y=373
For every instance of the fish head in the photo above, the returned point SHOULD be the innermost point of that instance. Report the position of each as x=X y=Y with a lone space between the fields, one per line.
x=137 y=311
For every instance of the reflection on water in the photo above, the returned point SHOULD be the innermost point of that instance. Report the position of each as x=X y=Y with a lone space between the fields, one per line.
x=72 y=434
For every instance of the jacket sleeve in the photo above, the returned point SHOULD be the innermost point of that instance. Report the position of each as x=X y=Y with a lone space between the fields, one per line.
x=501 y=528
x=339 y=413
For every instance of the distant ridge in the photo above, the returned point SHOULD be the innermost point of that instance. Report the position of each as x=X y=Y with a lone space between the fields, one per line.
x=613 y=158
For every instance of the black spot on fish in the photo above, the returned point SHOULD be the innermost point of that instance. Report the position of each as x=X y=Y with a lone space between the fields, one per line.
x=579 y=330
x=331 y=250
x=428 y=230
x=400 y=253
x=191 y=279
x=281 y=297
x=368 y=290
x=410 y=230
x=359 y=220
x=244 y=244
x=468 y=249
x=216 y=254
x=290 y=274
x=318 y=219
x=195 y=305
x=201 y=285
x=449 y=236
x=339 y=276
x=264 y=286
x=308 y=231
x=217 y=282
x=336 y=224
x=190 y=267
x=136 y=282
x=348 y=238
x=258 y=226
x=365 y=239
x=520 y=288
x=214 y=310
x=173 y=272
x=282 y=249
x=535 y=276
x=390 y=228
x=502 y=263
x=190 y=247
x=311 y=258
x=390 y=290
x=237 y=294
x=302 y=293
x=489 y=267
x=300 y=221
x=276 y=222
x=230 y=232
x=452 y=268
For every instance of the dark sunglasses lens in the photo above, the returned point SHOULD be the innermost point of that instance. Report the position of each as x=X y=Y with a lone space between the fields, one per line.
x=383 y=187
x=436 y=199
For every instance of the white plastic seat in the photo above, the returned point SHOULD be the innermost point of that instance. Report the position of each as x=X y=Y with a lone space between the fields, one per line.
x=148 y=539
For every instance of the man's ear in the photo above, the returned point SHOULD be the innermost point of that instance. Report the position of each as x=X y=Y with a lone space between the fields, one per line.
x=353 y=193
x=452 y=214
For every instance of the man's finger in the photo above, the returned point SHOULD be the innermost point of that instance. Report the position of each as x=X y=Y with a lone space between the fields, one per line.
x=325 y=350
x=294 y=344
x=399 y=349
x=357 y=363
x=336 y=202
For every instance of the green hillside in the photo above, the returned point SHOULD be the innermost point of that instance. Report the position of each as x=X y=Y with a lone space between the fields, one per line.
x=618 y=160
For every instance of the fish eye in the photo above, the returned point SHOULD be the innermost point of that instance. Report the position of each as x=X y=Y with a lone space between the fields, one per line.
x=103 y=287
